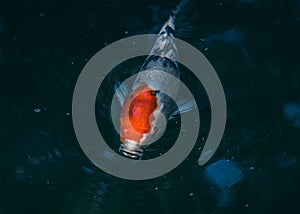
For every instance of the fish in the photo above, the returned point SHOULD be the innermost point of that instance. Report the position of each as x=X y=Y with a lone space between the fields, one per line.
x=145 y=108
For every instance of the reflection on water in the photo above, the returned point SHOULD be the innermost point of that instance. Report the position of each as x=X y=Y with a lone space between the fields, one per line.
x=292 y=113
x=223 y=173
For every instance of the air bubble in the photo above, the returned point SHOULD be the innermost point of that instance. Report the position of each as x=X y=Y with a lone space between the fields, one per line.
x=37 y=110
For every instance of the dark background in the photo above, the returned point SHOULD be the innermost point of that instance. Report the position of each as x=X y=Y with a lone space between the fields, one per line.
x=254 y=47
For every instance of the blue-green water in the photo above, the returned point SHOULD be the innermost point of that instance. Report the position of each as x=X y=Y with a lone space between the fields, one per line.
x=252 y=44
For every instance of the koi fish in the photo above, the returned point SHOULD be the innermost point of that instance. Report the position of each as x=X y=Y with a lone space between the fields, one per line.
x=145 y=109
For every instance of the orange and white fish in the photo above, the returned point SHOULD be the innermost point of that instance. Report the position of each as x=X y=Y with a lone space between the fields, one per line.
x=145 y=110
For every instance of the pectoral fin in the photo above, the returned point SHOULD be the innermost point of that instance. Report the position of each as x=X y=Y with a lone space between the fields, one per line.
x=183 y=106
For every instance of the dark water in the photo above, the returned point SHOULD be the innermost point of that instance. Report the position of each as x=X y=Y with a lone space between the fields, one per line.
x=252 y=44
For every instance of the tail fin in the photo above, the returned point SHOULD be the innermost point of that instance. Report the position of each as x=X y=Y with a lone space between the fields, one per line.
x=165 y=46
x=169 y=26
x=180 y=6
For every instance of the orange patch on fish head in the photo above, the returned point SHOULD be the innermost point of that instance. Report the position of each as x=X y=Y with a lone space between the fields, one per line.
x=136 y=111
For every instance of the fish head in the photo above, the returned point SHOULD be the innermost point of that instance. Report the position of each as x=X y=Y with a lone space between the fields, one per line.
x=141 y=122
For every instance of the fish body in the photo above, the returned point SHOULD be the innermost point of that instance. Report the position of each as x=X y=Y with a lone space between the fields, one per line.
x=145 y=109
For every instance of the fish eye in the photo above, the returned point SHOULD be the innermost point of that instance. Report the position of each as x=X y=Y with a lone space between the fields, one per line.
x=153 y=93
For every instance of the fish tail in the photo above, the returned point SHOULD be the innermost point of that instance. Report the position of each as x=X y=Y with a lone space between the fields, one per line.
x=179 y=7
x=169 y=27
x=166 y=34
x=165 y=46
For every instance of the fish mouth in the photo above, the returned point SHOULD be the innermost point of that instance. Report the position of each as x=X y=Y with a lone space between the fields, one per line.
x=131 y=149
